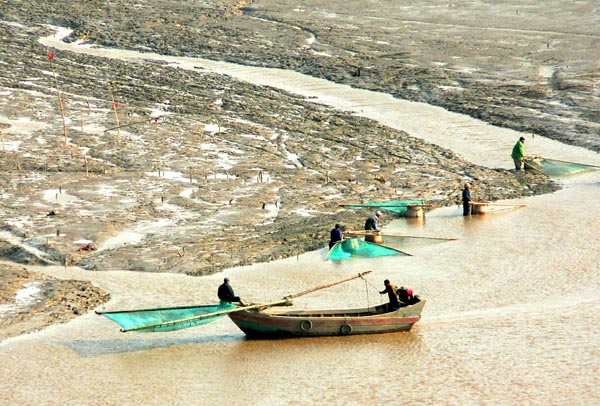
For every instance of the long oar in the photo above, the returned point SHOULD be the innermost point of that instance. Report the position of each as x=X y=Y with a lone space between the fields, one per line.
x=507 y=204
x=304 y=292
x=386 y=234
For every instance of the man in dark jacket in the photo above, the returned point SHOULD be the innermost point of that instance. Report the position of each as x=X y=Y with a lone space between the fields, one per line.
x=226 y=294
x=391 y=289
x=335 y=235
x=466 y=200
x=372 y=223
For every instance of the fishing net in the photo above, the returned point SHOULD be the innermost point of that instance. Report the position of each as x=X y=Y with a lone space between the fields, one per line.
x=355 y=247
x=553 y=167
x=167 y=319
x=395 y=206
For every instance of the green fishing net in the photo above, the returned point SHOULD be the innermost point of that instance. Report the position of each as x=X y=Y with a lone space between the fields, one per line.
x=356 y=247
x=553 y=167
x=166 y=319
x=396 y=206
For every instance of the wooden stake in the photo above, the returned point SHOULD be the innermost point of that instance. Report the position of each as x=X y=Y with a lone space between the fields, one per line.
x=60 y=100
x=112 y=95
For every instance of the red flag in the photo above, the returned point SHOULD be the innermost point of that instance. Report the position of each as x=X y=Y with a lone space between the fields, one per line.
x=50 y=56
x=117 y=105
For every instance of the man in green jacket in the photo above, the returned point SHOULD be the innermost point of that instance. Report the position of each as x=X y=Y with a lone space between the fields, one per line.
x=518 y=153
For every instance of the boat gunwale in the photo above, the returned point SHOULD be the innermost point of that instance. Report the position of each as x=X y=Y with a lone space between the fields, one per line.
x=360 y=313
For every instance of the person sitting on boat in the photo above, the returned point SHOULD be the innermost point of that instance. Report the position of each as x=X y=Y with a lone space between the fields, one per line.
x=518 y=153
x=407 y=296
x=391 y=290
x=403 y=295
x=226 y=294
x=466 y=200
x=335 y=235
x=372 y=223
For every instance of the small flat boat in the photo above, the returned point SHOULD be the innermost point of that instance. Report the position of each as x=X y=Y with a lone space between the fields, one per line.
x=484 y=208
x=278 y=323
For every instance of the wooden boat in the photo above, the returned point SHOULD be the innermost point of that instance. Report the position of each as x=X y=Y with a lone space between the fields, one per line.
x=484 y=208
x=277 y=323
x=262 y=320
x=414 y=210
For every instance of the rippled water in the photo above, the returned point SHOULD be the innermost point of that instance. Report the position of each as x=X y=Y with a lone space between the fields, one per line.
x=512 y=315
x=511 y=318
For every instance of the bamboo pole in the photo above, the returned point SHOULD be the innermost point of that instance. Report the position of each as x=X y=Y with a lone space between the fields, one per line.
x=383 y=233
x=59 y=95
x=304 y=292
x=112 y=95
x=500 y=204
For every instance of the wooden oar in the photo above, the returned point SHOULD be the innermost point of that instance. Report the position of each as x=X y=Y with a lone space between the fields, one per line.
x=385 y=234
x=331 y=249
x=418 y=236
x=304 y=292
x=507 y=204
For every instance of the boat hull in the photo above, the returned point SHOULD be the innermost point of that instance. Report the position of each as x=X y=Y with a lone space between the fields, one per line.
x=272 y=323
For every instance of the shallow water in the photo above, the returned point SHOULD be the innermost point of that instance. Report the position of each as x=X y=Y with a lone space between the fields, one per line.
x=511 y=317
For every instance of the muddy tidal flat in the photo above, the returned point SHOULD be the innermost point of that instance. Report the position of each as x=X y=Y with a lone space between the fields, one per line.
x=145 y=167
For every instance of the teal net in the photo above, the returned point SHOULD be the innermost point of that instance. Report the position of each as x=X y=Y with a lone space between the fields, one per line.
x=395 y=206
x=355 y=247
x=554 y=167
x=167 y=319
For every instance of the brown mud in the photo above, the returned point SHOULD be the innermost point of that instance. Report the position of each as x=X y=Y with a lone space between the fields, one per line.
x=207 y=173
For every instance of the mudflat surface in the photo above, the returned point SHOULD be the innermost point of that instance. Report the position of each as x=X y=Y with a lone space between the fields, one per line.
x=143 y=167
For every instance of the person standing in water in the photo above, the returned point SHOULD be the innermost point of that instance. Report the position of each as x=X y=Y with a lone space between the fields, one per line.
x=518 y=153
x=466 y=200
x=372 y=223
x=335 y=235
